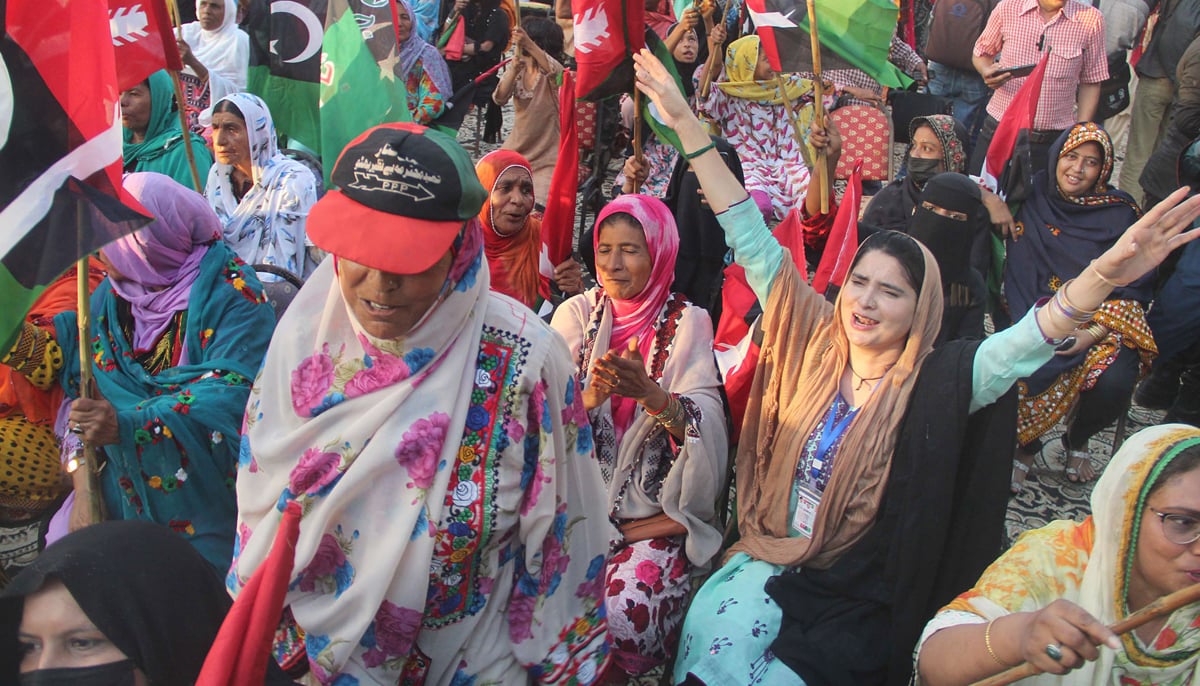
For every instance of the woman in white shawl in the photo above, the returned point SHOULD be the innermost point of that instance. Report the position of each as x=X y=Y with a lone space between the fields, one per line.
x=261 y=196
x=650 y=387
x=216 y=56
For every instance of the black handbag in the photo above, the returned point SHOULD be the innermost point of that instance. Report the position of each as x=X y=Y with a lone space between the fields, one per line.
x=1114 y=91
x=907 y=105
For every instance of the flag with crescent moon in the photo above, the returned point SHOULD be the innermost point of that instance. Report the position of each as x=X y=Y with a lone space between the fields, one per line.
x=285 y=64
x=60 y=148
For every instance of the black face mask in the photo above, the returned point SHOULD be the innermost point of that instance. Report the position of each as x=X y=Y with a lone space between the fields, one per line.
x=922 y=170
x=111 y=674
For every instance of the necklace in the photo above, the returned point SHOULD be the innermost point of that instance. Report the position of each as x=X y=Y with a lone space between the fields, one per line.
x=862 y=379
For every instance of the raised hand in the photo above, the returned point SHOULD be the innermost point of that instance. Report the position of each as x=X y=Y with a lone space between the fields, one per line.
x=655 y=82
x=1147 y=243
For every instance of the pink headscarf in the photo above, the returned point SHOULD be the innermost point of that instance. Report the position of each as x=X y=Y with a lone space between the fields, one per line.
x=637 y=316
x=161 y=261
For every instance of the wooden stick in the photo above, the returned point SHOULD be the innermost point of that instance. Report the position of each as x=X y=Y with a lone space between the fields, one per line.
x=83 y=317
x=637 y=135
x=820 y=173
x=1159 y=608
x=710 y=65
x=187 y=131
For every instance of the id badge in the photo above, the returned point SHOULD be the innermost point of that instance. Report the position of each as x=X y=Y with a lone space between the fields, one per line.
x=807 y=501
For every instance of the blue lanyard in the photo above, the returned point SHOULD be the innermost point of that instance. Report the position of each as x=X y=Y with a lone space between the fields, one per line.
x=829 y=436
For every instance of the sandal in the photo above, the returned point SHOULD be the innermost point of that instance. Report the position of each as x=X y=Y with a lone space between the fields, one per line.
x=1077 y=465
x=1019 y=474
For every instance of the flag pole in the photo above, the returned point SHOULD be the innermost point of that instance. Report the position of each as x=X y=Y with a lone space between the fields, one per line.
x=181 y=102
x=820 y=173
x=83 y=317
x=710 y=65
x=637 y=136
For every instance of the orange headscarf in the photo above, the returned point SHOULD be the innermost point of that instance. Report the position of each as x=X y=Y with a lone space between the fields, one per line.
x=512 y=260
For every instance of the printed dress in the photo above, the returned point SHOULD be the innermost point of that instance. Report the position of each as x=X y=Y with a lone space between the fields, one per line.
x=453 y=528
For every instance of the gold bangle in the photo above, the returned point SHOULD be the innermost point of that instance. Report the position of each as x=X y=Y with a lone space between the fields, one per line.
x=987 y=641
x=1097 y=330
x=1105 y=279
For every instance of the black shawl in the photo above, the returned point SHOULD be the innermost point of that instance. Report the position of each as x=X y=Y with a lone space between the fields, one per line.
x=941 y=523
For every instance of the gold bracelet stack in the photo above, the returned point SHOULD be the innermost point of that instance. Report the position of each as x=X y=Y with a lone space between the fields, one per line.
x=1097 y=331
x=671 y=414
x=1067 y=309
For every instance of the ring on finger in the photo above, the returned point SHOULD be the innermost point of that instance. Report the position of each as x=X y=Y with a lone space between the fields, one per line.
x=77 y=429
x=1054 y=652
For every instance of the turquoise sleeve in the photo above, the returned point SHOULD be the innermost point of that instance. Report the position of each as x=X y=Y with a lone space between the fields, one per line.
x=754 y=248
x=1012 y=354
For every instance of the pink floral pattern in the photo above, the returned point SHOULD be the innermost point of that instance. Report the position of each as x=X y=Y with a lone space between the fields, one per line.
x=395 y=631
x=311 y=381
x=421 y=446
x=315 y=470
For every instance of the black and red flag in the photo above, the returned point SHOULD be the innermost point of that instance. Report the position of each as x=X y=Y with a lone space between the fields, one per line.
x=607 y=33
x=60 y=148
x=1008 y=166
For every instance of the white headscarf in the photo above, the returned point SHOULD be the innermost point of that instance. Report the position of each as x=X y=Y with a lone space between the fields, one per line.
x=224 y=52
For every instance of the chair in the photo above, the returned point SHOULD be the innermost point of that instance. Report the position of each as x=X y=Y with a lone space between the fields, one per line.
x=866 y=134
x=281 y=289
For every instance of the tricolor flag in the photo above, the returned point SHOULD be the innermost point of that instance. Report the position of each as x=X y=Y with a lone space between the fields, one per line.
x=360 y=87
x=60 y=148
x=860 y=31
x=1007 y=167
x=141 y=39
x=285 y=64
x=649 y=112
x=607 y=33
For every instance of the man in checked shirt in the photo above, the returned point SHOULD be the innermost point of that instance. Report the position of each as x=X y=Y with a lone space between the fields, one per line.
x=1018 y=33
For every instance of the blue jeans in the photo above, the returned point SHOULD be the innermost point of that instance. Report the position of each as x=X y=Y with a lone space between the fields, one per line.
x=968 y=91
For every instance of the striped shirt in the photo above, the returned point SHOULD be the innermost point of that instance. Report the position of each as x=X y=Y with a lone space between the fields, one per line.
x=1075 y=38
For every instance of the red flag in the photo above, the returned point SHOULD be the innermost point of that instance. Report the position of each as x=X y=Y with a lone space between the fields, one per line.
x=843 y=238
x=558 y=224
x=454 y=39
x=60 y=147
x=243 y=645
x=141 y=39
x=733 y=344
x=607 y=33
x=1007 y=167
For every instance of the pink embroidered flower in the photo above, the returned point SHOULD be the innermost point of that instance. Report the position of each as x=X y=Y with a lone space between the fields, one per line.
x=515 y=429
x=311 y=381
x=395 y=630
x=421 y=446
x=315 y=470
x=325 y=562
x=520 y=616
x=648 y=573
x=534 y=490
x=385 y=371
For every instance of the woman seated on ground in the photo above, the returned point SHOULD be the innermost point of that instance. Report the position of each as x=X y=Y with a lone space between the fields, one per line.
x=531 y=81
x=1069 y=219
x=426 y=76
x=748 y=108
x=178 y=331
x=644 y=355
x=153 y=139
x=115 y=603
x=1050 y=598
x=868 y=478
x=512 y=233
x=454 y=525
x=261 y=196
x=216 y=56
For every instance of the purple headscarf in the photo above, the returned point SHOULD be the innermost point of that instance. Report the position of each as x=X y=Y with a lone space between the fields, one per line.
x=161 y=261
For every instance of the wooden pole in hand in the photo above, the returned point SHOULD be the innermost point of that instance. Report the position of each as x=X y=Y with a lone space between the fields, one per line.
x=710 y=65
x=84 y=319
x=1159 y=608
x=637 y=136
x=181 y=103
x=820 y=173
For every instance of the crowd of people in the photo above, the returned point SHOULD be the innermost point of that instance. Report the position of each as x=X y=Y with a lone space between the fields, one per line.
x=511 y=471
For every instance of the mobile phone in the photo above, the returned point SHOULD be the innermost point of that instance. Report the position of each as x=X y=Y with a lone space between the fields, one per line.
x=1066 y=344
x=1018 y=71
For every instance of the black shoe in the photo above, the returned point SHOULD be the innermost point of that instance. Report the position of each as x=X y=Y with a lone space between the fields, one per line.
x=1186 y=409
x=1159 y=390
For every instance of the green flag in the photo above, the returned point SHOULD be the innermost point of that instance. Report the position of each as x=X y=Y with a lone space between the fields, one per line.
x=861 y=32
x=360 y=86
x=649 y=112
